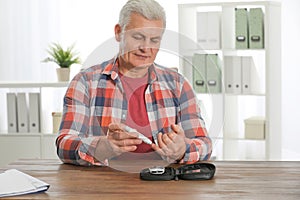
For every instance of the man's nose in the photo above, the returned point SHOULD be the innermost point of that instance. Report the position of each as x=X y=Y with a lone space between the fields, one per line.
x=145 y=45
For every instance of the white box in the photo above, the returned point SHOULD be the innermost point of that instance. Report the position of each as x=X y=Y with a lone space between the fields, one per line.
x=255 y=128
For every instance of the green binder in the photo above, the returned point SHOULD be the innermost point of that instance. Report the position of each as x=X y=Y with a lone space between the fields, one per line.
x=199 y=73
x=241 y=28
x=213 y=73
x=256 y=28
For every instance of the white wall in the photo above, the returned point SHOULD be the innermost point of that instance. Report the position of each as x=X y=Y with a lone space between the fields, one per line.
x=89 y=23
x=290 y=78
x=290 y=72
x=290 y=65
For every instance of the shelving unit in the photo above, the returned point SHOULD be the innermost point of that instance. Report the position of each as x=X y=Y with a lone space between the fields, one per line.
x=31 y=145
x=224 y=112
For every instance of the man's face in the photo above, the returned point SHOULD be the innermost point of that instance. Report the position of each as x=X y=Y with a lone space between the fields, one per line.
x=140 y=42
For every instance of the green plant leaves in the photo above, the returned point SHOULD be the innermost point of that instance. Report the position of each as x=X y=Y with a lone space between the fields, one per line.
x=64 y=58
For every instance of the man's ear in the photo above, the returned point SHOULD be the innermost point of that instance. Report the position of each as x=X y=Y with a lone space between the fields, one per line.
x=118 y=31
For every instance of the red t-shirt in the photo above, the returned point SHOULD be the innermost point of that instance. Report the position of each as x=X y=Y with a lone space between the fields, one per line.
x=137 y=116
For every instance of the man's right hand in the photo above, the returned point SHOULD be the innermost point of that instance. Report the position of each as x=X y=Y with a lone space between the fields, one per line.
x=116 y=142
x=122 y=140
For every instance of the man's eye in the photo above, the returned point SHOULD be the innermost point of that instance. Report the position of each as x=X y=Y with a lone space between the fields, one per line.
x=155 y=40
x=137 y=37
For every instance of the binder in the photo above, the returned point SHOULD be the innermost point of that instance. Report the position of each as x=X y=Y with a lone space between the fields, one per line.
x=250 y=78
x=202 y=29
x=233 y=74
x=213 y=30
x=12 y=112
x=256 y=28
x=187 y=68
x=213 y=73
x=246 y=75
x=209 y=30
x=241 y=28
x=22 y=113
x=199 y=73
x=34 y=112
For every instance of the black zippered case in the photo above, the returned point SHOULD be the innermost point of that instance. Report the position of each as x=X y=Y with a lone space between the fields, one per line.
x=196 y=171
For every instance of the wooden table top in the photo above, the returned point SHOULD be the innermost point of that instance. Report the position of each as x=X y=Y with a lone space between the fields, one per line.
x=233 y=180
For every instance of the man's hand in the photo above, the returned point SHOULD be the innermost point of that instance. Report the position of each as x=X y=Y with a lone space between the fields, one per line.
x=122 y=141
x=116 y=142
x=172 y=144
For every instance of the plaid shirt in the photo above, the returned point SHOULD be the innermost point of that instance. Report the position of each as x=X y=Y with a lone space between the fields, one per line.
x=95 y=98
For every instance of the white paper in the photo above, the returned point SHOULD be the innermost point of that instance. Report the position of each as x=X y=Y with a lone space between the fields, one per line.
x=14 y=182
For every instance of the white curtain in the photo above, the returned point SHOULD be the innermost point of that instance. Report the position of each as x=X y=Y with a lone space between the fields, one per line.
x=26 y=29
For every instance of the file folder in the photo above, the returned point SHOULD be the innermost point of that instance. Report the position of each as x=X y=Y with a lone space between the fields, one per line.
x=256 y=28
x=12 y=112
x=250 y=78
x=187 y=68
x=34 y=112
x=202 y=29
x=213 y=30
x=199 y=73
x=246 y=75
x=213 y=73
x=209 y=30
x=241 y=28
x=233 y=74
x=22 y=112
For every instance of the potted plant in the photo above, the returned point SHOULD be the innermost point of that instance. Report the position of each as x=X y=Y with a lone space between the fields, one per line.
x=63 y=58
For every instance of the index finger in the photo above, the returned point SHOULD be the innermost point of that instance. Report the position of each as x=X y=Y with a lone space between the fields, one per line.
x=114 y=127
x=118 y=132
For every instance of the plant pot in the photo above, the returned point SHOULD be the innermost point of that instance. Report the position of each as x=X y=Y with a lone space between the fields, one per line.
x=63 y=74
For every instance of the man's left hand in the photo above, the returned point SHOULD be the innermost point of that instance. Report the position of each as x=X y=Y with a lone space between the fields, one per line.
x=172 y=144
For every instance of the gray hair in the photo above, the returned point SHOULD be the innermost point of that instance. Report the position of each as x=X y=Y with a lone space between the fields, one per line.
x=149 y=9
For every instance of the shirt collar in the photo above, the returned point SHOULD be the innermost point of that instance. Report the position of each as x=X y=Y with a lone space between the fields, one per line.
x=152 y=73
x=112 y=69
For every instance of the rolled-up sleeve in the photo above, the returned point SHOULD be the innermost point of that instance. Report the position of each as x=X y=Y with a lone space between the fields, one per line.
x=73 y=144
x=198 y=142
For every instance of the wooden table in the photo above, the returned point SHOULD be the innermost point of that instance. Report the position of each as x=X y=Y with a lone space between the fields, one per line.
x=233 y=180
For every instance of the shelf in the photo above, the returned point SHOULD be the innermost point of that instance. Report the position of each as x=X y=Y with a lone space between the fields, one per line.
x=244 y=95
x=27 y=145
x=244 y=52
x=32 y=84
x=232 y=3
x=5 y=134
x=32 y=144
x=236 y=139
x=243 y=139
x=262 y=98
x=19 y=134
